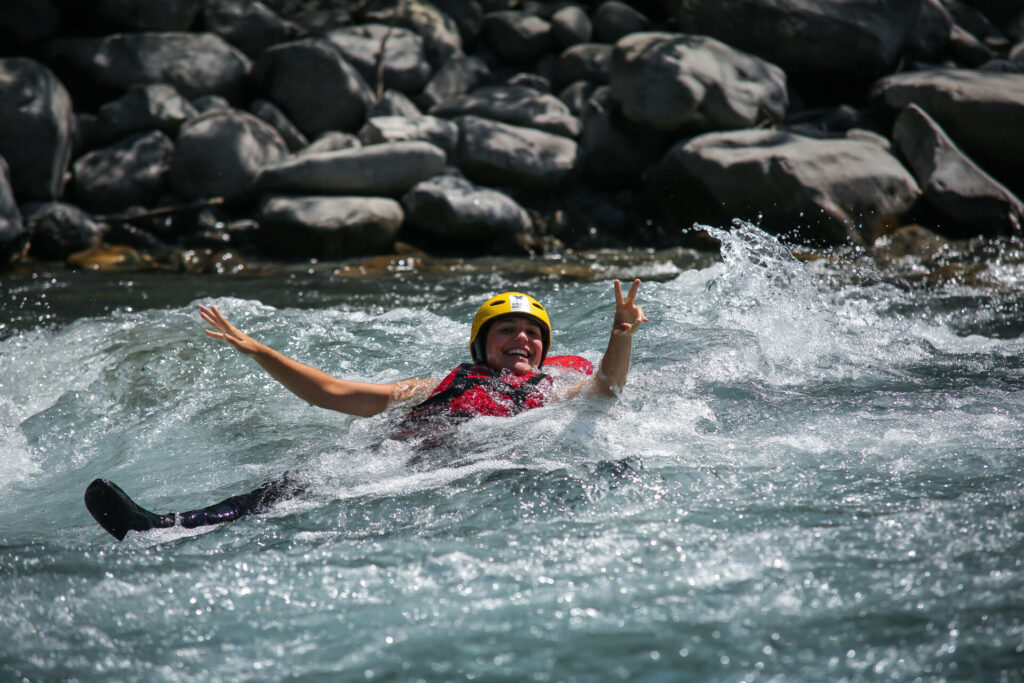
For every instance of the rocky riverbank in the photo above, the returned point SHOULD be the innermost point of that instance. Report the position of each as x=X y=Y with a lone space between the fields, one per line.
x=195 y=134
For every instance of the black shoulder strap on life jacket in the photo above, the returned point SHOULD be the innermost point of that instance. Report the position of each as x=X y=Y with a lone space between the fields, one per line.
x=462 y=383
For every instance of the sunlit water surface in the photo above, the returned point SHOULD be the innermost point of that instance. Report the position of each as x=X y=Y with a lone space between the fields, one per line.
x=805 y=479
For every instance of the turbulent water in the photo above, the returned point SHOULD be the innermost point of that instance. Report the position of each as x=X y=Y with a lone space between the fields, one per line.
x=811 y=475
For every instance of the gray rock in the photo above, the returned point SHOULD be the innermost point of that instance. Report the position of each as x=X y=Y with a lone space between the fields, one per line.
x=517 y=105
x=249 y=25
x=576 y=94
x=315 y=86
x=220 y=153
x=441 y=38
x=529 y=80
x=405 y=65
x=145 y=15
x=930 y=36
x=670 y=80
x=432 y=129
x=585 y=62
x=387 y=169
x=208 y=103
x=855 y=38
x=967 y=49
x=570 y=26
x=59 y=230
x=465 y=216
x=269 y=112
x=615 y=152
x=331 y=141
x=983 y=111
x=27 y=21
x=328 y=227
x=826 y=191
x=145 y=107
x=455 y=77
x=517 y=37
x=393 y=103
x=495 y=153
x=13 y=234
x=613 y=20
x=969 y=201
x=130 y=172
x=467 y=15
x=122 y=60
x=36 y=128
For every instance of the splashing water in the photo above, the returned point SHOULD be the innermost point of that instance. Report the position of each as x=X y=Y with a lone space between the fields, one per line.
x=802 y=480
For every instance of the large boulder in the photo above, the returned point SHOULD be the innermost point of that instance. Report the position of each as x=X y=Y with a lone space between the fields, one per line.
x=387 y=169
x=829 y=191
x=36 y=128
x=853 y=38
x=495 y=153
x=249 y=25
x=668 y=81
x=616 y=152
x=515 y=104
x=585 y=61
x=130 y=172
x=220 y=154
x=967 y=200
x=315 y=86
x=453 y=211
x=570 y=26
x=982 y=110
x=143 y=108
x=517 y=37
x=440 y=33
x=59 y=230
x=272 y=114
x=432 y=129
x=122 y=60
x=613 y=20
x=405 y=66
x=328 y=227
x=13 y=234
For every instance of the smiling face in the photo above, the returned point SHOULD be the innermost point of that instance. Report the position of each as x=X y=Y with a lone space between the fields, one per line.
x=514 y=343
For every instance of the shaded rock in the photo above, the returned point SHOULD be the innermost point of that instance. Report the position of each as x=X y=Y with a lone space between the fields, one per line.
x=129 y=172
x=464 y=216
x=517 y=105
x=855 y=38
x=387 y=169
x=13 y=234
x=208 y=103
x=331 y=141
x=144 y=15
x=983 y=111
x=670 y=80
x=441 y=38
x=613 y=20
x=529 y=80
x=59 y=230
x=930 y=36
x=36 y=128
x=585 y=62
x=455 y=77
x=249 y=25
x=393 y=103
x=615 y=152
x=405 y=65
x=122 y=60
x=967 y=49
x=220 y=153
x=495 y=153
x=968 y=200
x=27 y=21
x=315 y=86
x=570 y=25
x=328 y=227
x=575 y=96
x=517 y=37
x=467 y=15
x=432 y=129
x=269 y=112
x=144 y=107
x=826 y=191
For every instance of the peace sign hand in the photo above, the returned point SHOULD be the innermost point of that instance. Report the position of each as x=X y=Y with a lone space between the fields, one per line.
x=628 y=315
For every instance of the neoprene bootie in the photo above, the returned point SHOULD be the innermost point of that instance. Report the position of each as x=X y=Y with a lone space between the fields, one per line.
x=118 y=513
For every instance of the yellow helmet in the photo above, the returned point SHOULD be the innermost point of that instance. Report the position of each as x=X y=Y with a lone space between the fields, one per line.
x=509 y=303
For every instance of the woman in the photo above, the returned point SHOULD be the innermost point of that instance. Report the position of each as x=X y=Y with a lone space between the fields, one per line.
x=509 y=344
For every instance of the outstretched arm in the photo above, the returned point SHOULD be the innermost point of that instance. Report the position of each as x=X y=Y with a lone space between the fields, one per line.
x=314 y=386
x=611 y=373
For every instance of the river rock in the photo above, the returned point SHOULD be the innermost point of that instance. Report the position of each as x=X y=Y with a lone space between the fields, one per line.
x=518 y=105
x=220 y=153
x=615 y=152
x=272 y=114
x=122 y=60
x=463 y=216
x=405 y=65
x=328 y=227
x=613 y=20
x=441 y=37
x=457 y=76
x=495 y=153
x=249 y=25
x=331 y=141
x=59 y=230
x=432 y=129
x=585 y=62
x=570 y=26
x=13 y=234
x=145 y=15
x=669 y=80
x=393 y=103
x=517 y=37
x=144 y=107
x=854 y=38
x=27 y=21
x=930 y=36
x=208 y=103
x=982 y=111
x=36 y=128
x=315 y=86
x=467 y=15
x=132 y=171
x=387 y=169
x=827 y=191
x=968 y=200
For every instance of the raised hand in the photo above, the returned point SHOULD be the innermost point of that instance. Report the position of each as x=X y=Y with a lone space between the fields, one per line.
x=628 y=315
x=227 y=332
